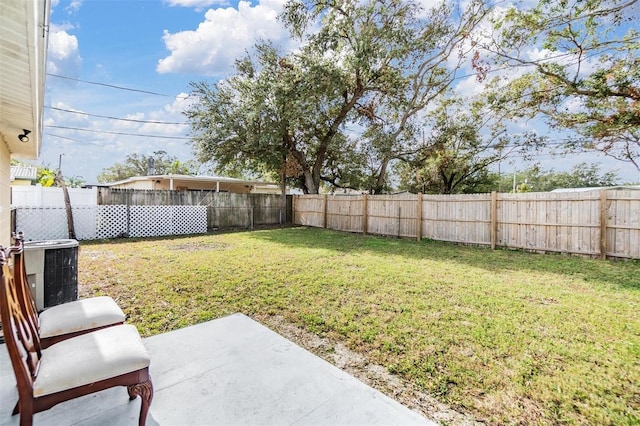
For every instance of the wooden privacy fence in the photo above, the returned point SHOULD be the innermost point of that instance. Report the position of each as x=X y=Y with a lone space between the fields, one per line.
x=224 y=209
x=596 y=223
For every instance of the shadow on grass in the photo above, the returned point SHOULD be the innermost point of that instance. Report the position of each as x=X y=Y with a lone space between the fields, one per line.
x=622 y=274
x=220 y=231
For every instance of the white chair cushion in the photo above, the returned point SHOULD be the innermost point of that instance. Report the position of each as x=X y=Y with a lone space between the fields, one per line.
x=83 y=314
x=89 y=358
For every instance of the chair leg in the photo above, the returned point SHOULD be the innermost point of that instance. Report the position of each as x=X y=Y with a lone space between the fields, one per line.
x=132 y=395
x=145 y=390
x=26 y=419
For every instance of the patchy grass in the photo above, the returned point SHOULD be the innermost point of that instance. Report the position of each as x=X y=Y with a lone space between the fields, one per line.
x=510 y=337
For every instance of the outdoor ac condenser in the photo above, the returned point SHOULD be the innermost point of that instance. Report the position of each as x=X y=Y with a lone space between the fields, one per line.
x=52 y=271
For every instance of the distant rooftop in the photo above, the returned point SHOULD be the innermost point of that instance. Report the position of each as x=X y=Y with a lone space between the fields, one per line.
x=24 y=172
x=597 y=188
x=198 y=178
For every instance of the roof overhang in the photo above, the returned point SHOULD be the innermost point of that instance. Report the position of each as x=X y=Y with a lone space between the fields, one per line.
x=24 y=29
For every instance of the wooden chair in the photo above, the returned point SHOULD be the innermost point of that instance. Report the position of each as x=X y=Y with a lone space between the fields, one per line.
x=67 y=320
x=109 y=357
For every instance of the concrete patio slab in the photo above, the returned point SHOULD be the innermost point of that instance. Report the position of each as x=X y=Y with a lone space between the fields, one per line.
x=229 y=371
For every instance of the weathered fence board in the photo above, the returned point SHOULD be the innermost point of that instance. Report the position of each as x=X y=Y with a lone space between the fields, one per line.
x=560 y=222
x=344 y=213
x=224 y=209
x=457 y=218
x=392 y=215
x=310 y=210
x=623 y=229
x=593 y=223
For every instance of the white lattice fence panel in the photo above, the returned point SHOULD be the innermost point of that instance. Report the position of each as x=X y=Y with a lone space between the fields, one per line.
x=111 y=221
x=189 y=219
x=42 y=223
x=91 y=222
x=150 y=221
x=84 y=222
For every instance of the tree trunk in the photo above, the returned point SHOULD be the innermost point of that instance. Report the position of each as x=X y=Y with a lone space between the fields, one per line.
x=309 y=182
x=381 y=176
x=67 y=205
x=283 y=189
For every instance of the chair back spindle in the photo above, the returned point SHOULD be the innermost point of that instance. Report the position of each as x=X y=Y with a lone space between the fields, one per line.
x=25 y=297
x=21 y=340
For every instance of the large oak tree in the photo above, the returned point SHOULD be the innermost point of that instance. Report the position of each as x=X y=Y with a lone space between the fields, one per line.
x=368 y=69
x=585 y=77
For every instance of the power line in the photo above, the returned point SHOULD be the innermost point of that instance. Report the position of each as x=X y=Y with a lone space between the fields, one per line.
x=72 y=140
x=119 y=133
x=116 y=87
x=117 y=118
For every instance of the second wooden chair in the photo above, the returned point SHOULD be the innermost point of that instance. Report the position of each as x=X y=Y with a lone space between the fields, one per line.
x=69 y=319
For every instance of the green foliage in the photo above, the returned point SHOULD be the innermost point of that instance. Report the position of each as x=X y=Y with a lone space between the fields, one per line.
x=465 y=138
x=46 y=177
x=138 y=165
x=75 y=181
x=589 y=82
x=582 y=175
x=261 y=119
x=373 y=64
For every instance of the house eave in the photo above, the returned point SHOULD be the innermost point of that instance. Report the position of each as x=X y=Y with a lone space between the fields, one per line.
x=24 y=29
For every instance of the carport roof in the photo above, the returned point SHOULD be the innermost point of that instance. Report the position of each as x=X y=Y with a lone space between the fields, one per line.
x=188 y=178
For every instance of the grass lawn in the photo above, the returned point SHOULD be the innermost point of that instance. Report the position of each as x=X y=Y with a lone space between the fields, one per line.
x=507 y=336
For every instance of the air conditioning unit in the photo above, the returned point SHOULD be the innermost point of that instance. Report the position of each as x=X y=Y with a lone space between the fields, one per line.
x=52 y=271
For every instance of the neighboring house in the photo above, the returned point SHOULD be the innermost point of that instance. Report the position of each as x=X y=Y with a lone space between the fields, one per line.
x=203 y=183
x=631 y=187
x=23 y=175
x=24 y=36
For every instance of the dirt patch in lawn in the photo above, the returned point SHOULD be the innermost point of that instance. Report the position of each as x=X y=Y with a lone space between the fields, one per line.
x=373 y=375
x=197 y=246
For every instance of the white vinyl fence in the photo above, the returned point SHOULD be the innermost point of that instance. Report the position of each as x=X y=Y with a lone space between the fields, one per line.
x=97 y=222
x=52 y=196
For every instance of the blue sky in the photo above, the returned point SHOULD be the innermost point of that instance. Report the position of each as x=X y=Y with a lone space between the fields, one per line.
x=159 y=46
x=145 y=46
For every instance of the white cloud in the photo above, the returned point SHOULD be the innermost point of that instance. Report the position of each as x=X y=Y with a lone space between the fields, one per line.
x=225 y=35
x=63 y=55
x=469 y=87
x=73 y=6
x=198 y=5
x=86 y=153
x=573 y=105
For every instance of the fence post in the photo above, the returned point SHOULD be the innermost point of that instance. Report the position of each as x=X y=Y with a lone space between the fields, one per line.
x=399 y=214
x=365 y=216
x=293 y=209
x=324 y=211
x=128 y=219
x=419 y=218
x=494 y=219
x=603 y=224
